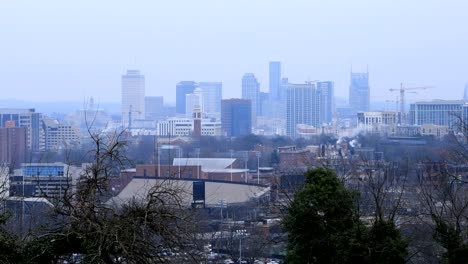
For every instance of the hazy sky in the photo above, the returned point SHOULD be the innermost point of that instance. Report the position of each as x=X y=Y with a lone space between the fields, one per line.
x=69 y=50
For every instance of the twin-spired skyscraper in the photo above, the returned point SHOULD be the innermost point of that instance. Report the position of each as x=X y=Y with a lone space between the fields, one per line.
x=359 y=91
x=133 y=97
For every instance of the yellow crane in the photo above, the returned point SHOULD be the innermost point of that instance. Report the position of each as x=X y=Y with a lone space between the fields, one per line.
x=402 y=91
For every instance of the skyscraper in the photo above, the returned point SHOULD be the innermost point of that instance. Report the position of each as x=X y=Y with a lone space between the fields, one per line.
x=325 y=91
x=133 y=96
x=251 y=91
x=183 y=88
x=212 y=94
x=359 y=92
x=302 y=107
x=465 y=95
x=154 y=107
x=192 y=101
x=236 y=117
x=275 y=80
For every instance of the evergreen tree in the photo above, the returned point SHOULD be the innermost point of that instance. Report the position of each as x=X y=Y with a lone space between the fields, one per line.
x=323 y=226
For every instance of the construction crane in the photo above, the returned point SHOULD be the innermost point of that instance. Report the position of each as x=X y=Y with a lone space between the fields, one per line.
x=130 y=116
x=396 y=101
x=402 y=91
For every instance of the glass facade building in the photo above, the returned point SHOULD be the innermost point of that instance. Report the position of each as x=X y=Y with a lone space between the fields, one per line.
x=275 y=79
x=183 y=88
x=359 y=92
x=438 y=112
x=236 y=117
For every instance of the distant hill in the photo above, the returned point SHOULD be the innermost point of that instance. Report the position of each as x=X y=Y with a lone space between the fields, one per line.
x=58 y=107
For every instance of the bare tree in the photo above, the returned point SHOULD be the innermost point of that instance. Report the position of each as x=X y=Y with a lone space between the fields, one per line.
x=85 y=226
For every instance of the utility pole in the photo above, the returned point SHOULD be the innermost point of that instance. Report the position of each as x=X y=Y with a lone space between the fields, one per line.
x=258 y=154
x=232 y=152
x=197 y=152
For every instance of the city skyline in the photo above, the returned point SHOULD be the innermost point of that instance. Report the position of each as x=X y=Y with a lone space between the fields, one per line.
x=70 y=52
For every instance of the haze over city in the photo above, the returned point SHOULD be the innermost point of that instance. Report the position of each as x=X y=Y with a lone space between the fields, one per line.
x=62 y=51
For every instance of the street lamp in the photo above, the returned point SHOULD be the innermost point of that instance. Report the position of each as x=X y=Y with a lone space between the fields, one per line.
x=232 y=152
x=179 y=152
x=258 y=154
x=197 y=152
x=240 y=233
x=246 y=158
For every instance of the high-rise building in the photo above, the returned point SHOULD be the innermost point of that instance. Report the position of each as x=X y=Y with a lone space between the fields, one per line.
x=154 y=107
x=236 y=117
x=275 y=79
x=263 y=103
x=29 y=119
x=133 y=97
x=212 y=94
x=359 y=91
x=192 y=101
x=183 y=88
x=13 y=145
x=325 y=91
x=465 y=95
x=251 y=91
x=302 y=107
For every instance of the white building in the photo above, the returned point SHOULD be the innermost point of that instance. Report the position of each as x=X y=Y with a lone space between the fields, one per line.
x=377 y=122
x=179 y=127
x=133 y=96
x=192 y=101
x=302 y=106
x=58 y=136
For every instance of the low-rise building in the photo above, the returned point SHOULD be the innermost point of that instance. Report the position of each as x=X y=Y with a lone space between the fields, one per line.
x=58 y=136
x=180 y=127
x=43 y=179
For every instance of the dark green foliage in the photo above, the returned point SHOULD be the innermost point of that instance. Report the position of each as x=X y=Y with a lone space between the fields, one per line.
x=449 y=237
x=323 y=226
x=386 y=243
x=9 y=252
x=321 y=220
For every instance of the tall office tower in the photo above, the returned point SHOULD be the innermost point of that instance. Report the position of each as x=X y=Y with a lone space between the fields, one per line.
x=465 y=95
x=183 y=88
x=263 y=103
x=133 y=97
x=154 y=107
x=29 y=119
x=212 y=94
x=325 y=91
x=251 y=91
x=192 y=101
x=236 y=117
x=275 y=80
x=302 y=107
x=359 y=92
x=13 y=144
